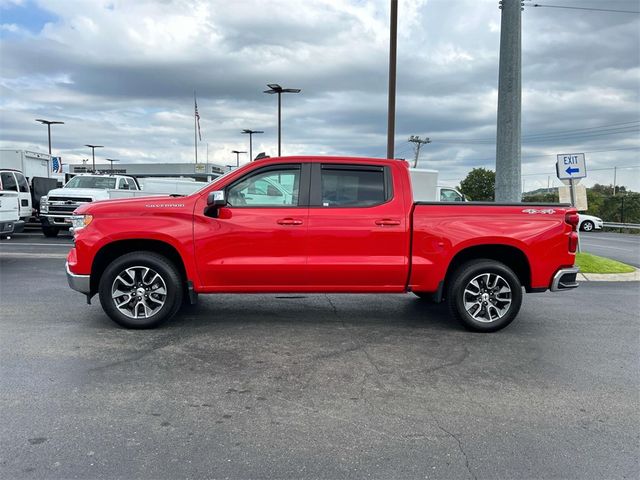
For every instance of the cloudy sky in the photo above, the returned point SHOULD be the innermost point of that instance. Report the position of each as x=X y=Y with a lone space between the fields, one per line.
x=122 y=73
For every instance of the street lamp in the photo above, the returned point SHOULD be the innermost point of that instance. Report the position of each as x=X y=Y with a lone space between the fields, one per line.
x=93 y=153
x=112 y=160
x=251 y=132
x=48 y=123
x=237 y=152
x=275 y=88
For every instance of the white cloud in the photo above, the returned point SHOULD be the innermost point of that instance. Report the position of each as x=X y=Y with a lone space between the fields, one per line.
x=122 y=73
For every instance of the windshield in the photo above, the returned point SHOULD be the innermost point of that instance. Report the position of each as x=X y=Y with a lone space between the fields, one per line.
x=91 y=182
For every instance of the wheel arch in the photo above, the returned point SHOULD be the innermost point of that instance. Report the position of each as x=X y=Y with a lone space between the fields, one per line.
x=112 y=250
x=511 y=256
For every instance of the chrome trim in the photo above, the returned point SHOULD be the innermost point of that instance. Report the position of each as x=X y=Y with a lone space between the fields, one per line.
x=557 y=285
x=80 y=283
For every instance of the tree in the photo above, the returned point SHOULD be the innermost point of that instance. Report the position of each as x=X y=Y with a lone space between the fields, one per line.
x=480 y=184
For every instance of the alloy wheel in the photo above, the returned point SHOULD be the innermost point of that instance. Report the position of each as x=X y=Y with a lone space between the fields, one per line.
x=487 y=297
x=139 y=292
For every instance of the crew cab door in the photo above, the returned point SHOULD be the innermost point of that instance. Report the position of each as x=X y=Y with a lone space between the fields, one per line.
x=358 y=236
x=257 y=242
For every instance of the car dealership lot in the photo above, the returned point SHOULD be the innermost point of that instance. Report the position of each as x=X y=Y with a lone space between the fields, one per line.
x=308 y=386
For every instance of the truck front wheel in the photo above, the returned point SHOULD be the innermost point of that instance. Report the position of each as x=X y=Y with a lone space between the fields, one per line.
x=140 y=290
x=484 y=295
x=50 y=232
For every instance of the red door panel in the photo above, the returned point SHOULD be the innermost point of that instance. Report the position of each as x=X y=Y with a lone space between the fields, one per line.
x=360 y=248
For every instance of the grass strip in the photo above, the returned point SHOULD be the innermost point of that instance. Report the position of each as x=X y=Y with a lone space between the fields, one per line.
x=589 y=263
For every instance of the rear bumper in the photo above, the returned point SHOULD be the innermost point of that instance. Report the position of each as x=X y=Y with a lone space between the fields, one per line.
x=565 y=279
x=80 y=283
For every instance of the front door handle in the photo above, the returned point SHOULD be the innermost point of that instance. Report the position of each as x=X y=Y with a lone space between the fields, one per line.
x=387 y=222
x=289 y=221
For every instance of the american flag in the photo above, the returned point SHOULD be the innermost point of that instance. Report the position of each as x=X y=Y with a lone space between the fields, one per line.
x=197 y=117
x=56 y=165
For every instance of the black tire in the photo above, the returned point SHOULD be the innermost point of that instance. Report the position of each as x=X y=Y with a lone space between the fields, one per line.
x=426 y=297
x=50 y=232
x=587 y=226
x=491 y=298
x=136 y=263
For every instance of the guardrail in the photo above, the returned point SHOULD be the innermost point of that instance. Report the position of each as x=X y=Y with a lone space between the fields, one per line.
x=622 y=225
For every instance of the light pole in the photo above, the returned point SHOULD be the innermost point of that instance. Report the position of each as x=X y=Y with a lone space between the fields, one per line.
x=93 y=153
x=237 y=152
x=48 y=123
x=112 y=160
x=275 y=88
x=250 y=133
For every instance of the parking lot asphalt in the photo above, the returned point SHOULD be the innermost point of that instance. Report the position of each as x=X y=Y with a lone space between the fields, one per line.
x=314 y=386
x=618 y=246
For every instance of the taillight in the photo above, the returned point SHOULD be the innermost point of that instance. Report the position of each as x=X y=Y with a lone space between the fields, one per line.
x=573 y=242
x=572 y=219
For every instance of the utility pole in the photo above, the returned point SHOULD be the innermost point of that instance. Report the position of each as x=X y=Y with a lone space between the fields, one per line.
x=418 y=142
x=391 y=111
x=508 y=141
x=615 y=174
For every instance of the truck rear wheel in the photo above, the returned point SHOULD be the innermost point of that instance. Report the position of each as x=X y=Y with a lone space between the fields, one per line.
x=484 y=295
x=141 y=290
x=50 y=232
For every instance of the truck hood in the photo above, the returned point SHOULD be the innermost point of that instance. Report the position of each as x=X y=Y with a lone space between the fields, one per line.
x=138 y=205
x=94 y=193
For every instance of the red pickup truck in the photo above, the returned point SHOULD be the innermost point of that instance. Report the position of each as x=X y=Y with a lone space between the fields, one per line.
x=319 y=224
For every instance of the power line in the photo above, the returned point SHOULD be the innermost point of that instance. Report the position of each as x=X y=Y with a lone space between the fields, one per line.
x=585 y=8
x=607 y=127
x=575 y=136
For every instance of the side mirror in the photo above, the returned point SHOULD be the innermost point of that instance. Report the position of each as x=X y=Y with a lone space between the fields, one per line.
x=216 y=199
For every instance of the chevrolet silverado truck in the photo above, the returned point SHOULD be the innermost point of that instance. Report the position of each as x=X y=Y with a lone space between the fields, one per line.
x=58 y=205
x=349 y=225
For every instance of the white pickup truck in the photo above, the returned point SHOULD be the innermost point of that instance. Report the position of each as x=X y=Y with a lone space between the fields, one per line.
x=9 y=212
x=56 y=208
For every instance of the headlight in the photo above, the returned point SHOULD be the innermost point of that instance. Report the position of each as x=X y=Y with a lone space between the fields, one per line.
x=44 y=204
x=80 y=221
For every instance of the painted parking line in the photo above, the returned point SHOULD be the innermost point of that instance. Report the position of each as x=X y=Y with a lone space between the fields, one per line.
x=36 y=244
x=31 y=255
x=606 y=247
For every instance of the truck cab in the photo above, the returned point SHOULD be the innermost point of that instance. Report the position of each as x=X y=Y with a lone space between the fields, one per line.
x=57 y=207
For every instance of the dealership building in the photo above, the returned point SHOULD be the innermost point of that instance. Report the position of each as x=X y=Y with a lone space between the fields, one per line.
x=199 y=171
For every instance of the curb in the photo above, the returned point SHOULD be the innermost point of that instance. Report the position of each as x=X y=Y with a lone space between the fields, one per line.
x=610 y=277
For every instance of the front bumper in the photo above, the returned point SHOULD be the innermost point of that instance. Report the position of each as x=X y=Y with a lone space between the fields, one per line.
x=565 y=279
x=80 y=283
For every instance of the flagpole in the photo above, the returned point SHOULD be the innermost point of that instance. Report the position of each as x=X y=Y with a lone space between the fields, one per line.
x=195 y=126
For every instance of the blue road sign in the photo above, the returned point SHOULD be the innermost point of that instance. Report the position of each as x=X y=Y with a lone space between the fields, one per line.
x=571 y=166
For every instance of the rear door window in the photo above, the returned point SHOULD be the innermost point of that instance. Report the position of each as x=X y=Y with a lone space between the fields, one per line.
x=353 y=186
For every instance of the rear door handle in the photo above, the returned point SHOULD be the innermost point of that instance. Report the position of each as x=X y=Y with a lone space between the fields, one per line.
x=387 y=222
x=289 y=221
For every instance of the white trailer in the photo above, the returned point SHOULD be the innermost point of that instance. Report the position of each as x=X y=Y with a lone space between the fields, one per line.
x=31 y=164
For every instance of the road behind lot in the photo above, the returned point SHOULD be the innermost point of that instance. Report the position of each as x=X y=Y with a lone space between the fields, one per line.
x=315 y=386
x=618 y=246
